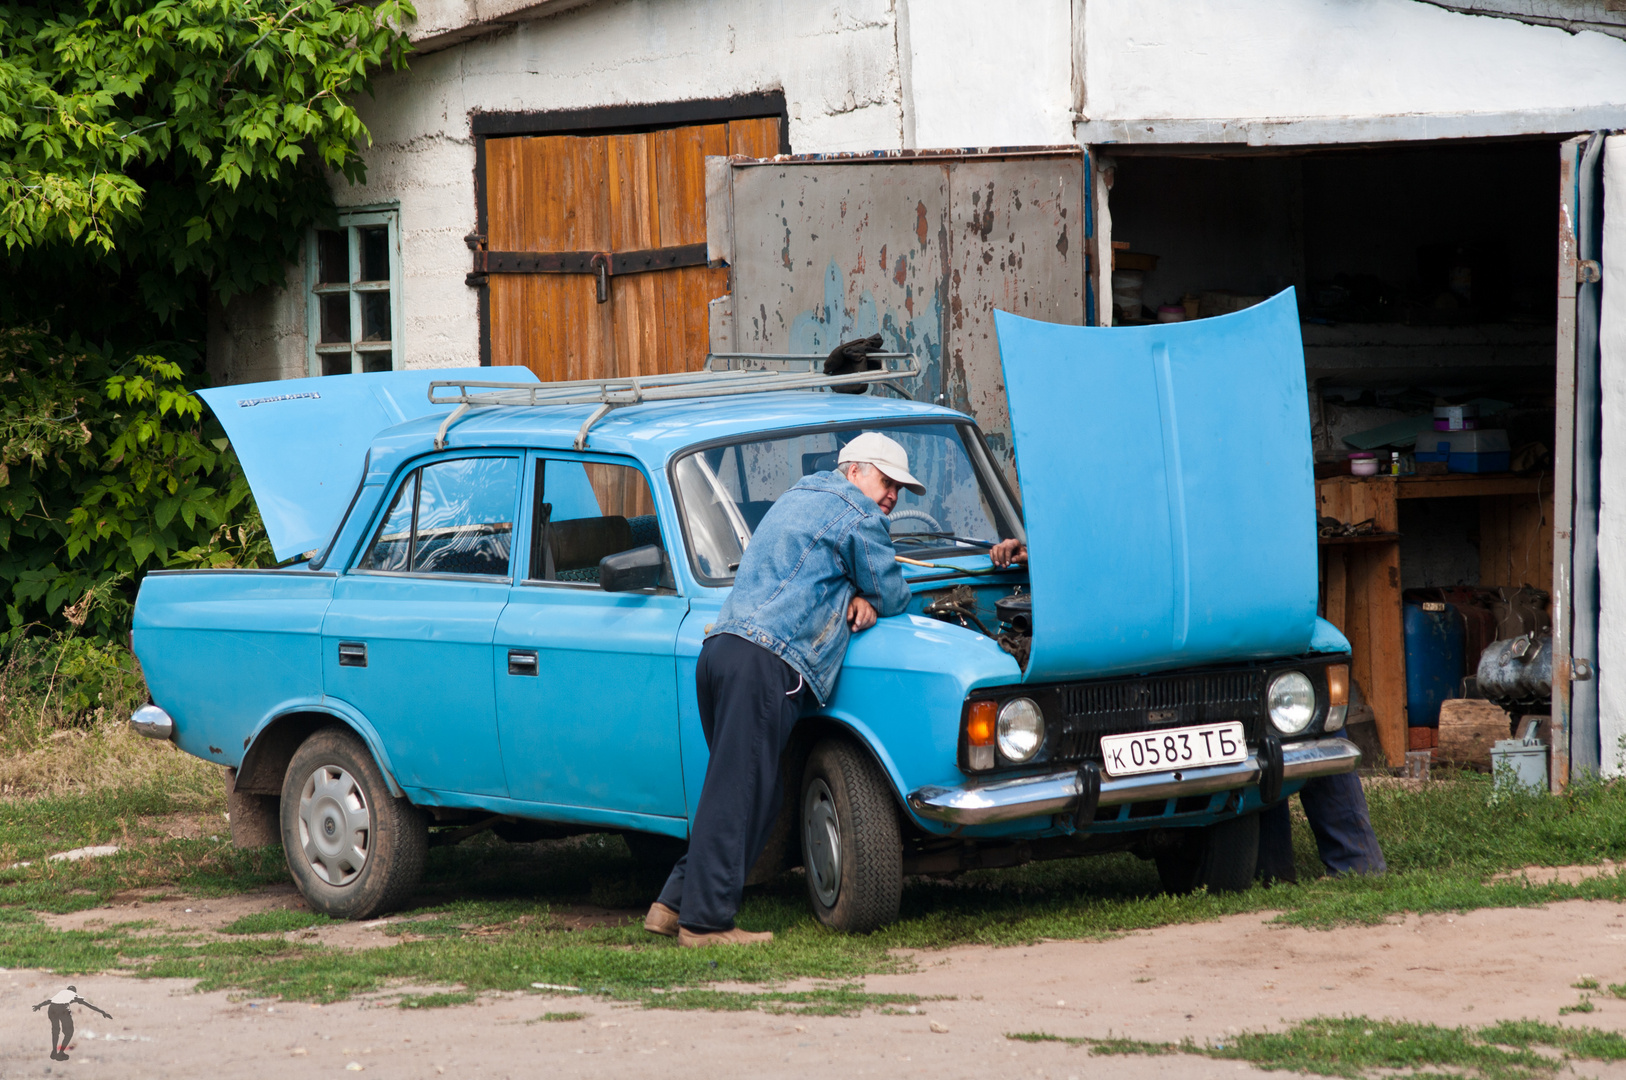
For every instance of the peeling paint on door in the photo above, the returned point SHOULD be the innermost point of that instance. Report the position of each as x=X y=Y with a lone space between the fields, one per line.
x=953 y=237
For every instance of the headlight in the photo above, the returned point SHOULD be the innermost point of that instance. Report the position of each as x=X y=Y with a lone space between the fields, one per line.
x=1021 y=730
x=1291 y=702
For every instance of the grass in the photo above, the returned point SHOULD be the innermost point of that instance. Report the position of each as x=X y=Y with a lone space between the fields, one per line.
x=275 y=922
x=1355 y=1047
x=496 y=917
x=558 y=1018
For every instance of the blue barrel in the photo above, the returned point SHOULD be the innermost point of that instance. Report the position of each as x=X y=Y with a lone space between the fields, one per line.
x=1433 y=662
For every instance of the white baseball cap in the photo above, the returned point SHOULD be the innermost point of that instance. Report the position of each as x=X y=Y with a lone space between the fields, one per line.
x=885 y=454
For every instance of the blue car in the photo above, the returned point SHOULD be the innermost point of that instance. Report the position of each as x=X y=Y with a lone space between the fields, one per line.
x=495 y=595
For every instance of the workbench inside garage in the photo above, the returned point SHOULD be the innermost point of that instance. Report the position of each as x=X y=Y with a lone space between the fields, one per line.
x=1361 y=581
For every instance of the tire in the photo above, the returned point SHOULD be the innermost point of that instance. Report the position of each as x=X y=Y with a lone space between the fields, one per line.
x=353 y=850
x=852 y=847
x=1220 y=858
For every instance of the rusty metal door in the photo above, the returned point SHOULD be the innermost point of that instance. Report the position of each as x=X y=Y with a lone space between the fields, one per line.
x=595 y=248
x=1577 y=745
x=921 y=248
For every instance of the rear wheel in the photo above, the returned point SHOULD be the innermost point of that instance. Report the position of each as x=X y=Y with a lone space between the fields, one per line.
x=852 y=847
x=353 y=850
x=1220 y=857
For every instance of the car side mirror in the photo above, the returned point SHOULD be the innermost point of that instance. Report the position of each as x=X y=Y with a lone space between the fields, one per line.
x=632 y=570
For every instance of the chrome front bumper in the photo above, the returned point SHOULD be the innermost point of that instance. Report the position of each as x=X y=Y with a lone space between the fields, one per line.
x=1057 y=793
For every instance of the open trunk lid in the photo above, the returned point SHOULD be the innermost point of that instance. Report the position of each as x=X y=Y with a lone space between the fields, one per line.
x=1168 y=490
x=303 y=442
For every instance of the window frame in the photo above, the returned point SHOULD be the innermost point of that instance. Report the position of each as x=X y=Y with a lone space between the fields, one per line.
x=381 y=513
x=351 y=222
x=538 y=460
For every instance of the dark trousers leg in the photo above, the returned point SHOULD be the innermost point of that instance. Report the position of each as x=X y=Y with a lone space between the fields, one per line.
x=56 y=1032
x=1276 y=844
x=1336 y=807
x=749 y=701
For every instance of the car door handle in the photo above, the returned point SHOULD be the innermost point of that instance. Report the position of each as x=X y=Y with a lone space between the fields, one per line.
x=352 y=654
x=522 y=662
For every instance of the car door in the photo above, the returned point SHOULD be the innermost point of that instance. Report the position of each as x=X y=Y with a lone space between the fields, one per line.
x=586 y=679
x=407 y=639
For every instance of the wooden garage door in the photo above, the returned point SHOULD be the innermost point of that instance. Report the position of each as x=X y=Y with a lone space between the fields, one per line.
x=606 y=193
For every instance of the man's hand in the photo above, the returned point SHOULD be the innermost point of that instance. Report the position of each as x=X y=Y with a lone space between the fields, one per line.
x=1008 y=551
x=860 y=615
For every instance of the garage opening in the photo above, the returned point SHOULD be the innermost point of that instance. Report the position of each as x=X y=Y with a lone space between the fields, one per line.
x=1427 y=282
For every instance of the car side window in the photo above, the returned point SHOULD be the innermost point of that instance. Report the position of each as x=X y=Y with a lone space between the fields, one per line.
x=450 y=517
x=586 y=510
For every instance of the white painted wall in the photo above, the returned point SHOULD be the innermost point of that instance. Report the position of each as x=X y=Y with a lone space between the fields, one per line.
x=1303 y=71
x=987 y=74
x=1611 y=663
x=835 y=61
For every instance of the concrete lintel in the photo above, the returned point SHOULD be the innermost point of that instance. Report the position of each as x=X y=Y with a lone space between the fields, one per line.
x=444 y=23
x=1322 y=130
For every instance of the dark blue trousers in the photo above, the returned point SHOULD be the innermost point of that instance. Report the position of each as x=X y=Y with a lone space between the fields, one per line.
x=1336 y=808
x=749 y=702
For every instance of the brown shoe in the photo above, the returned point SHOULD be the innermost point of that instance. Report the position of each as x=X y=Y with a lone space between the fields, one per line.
x=661 y=920
x=691 y=940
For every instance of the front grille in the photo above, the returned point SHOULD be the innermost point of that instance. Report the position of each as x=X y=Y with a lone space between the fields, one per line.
x=1091 y=710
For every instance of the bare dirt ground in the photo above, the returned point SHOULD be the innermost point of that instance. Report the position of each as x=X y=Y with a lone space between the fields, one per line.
x=1203 y=980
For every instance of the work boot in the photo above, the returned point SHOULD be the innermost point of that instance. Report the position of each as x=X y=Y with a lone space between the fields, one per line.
x=691 y=940
x=661 y=920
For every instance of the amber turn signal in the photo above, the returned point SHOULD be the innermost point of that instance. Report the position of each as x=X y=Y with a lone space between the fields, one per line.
x=1338 y=684
x=981 y=723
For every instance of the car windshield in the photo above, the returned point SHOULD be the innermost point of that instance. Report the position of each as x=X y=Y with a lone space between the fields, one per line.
x=725 y=490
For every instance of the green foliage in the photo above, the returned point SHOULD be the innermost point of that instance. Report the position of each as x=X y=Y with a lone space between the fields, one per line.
x=185 y=142
x=107 y=470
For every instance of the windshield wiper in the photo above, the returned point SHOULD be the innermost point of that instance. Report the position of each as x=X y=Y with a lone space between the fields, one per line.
x=924 y=537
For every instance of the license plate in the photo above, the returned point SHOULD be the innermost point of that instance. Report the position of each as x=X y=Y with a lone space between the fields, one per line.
x=1177 y=748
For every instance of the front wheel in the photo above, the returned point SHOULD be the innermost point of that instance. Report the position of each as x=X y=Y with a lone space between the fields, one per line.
x=1220 y=857
x=353 y=850
x=852 y=847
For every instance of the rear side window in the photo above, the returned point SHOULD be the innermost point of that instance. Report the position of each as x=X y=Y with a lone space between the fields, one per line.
x=451 y=517
x=585 y=511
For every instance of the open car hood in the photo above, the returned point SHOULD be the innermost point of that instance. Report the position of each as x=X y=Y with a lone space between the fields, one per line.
x=1168 y=490
x=303 y=442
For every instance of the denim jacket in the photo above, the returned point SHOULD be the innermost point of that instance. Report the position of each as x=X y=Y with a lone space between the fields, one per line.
x=820 y=544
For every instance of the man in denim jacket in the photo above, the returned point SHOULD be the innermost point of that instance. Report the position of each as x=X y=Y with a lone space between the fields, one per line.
x=819 y=568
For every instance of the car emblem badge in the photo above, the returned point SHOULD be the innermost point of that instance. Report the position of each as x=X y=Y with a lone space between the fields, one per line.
x=1162 y=716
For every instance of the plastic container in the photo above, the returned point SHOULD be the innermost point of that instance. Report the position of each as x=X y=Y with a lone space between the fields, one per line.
x=1363 y=464
x=1433 y=660
x=1485 y=450
x=1456 y=417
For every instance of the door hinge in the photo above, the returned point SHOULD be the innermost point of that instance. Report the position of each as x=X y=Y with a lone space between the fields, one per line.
x=1588 y=272
x=603 y=265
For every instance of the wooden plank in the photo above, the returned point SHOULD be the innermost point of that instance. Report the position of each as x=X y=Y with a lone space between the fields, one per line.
x=1387 y=642
x=1463 y=486
x=754 y=138
x=1563 y=599
x=1337 y=588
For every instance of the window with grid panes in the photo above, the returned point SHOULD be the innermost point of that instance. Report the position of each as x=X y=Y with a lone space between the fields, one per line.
x=355 y=303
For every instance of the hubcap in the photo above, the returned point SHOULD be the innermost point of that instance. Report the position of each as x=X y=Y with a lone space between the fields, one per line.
x=821 y=842
x=335 y=828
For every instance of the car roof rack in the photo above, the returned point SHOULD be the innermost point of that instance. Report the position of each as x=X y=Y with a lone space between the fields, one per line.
x=725 y=375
